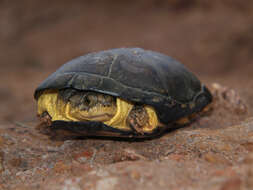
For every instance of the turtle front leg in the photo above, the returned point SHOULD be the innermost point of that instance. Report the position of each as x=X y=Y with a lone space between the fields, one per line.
x=45 y=118
x=138 y=119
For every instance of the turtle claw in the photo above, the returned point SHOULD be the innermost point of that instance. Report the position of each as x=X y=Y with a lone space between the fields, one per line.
x=45 y=118
x=138 y=119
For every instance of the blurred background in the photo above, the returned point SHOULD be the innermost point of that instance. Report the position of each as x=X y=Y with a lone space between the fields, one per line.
x=214 y=39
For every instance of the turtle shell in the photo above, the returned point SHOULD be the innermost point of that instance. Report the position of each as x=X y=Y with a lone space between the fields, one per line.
x=137 y=75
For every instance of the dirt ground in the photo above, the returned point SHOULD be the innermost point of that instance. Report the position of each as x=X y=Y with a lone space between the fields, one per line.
x=212 y=38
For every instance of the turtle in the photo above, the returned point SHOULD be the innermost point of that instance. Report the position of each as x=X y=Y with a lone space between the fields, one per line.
x=122 y=92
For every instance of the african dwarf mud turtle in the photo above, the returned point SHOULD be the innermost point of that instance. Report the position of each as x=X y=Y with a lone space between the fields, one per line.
x=126 y=92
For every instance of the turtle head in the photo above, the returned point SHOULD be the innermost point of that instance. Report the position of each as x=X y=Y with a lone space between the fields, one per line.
x=72 y=105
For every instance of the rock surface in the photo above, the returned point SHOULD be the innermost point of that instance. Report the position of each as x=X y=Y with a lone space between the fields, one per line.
x=195 y=157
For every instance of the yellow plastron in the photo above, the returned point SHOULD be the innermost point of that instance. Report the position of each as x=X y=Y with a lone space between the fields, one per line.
x=60 y=110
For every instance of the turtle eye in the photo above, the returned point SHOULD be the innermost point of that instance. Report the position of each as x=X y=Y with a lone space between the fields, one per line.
x=85 y=103
x=90 y=100
x=86 y=100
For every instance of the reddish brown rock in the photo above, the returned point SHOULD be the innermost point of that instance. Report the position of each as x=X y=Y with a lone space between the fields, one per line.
x=232 y=184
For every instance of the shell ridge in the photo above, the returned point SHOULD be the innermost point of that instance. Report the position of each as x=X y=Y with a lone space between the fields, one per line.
x=74 y=76
x=113 y=61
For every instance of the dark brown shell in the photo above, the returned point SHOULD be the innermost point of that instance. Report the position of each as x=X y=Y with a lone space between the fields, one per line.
x=137 y=75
